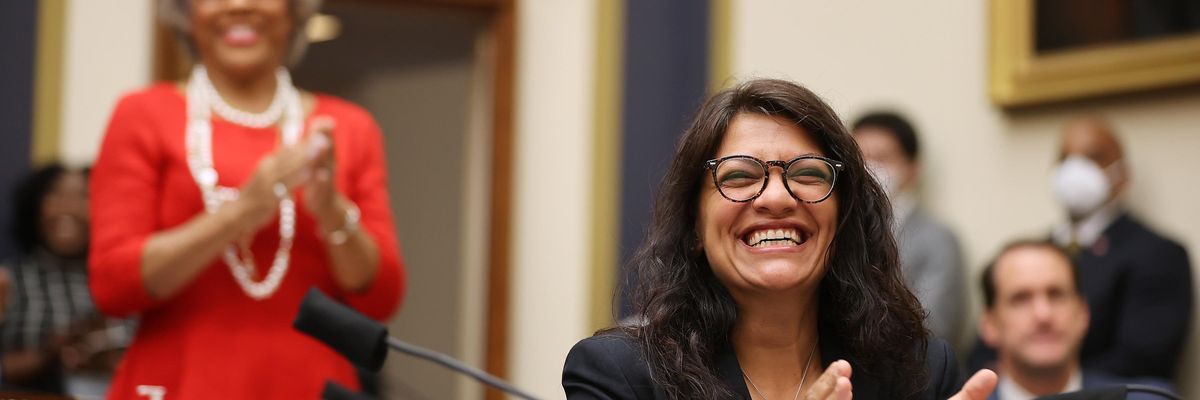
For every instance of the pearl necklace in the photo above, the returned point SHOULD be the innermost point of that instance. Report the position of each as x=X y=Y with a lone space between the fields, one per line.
x=203 y=97
x=248 y=119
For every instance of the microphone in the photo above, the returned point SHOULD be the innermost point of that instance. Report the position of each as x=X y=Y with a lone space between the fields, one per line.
x=353 y=335
x=1112 y=393
x=364 y=342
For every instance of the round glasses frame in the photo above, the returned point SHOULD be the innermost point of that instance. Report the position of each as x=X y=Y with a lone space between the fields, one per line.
x=834 y=165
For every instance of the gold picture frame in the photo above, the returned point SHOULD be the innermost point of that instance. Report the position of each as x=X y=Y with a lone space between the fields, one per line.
x=1019 y=76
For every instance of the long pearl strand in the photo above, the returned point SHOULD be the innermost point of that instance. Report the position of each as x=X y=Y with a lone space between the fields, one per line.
x=203 y=97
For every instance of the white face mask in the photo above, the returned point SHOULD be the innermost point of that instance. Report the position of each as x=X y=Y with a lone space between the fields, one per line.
x=887 y=179
x=1080 y=185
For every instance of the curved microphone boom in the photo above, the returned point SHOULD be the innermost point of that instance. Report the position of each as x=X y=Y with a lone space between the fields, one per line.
x=364 y=341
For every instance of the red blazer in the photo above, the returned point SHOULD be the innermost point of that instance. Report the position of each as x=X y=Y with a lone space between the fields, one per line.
x=210 y=340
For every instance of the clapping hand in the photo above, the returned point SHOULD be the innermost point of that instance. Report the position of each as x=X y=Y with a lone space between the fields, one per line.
x=833 y=384
x=321 y=198
x=979 y=387
x=282 y=171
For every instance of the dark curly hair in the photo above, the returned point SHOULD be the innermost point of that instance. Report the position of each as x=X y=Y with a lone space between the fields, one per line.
x=686 y=315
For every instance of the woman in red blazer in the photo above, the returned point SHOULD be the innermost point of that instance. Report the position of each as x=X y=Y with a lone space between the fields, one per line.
x=217 y=202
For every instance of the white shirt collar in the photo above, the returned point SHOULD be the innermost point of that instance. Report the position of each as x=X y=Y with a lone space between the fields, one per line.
x=1008 y=389
x=1088 y=230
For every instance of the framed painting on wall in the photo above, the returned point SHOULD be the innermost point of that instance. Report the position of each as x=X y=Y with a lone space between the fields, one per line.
x=1045 y=51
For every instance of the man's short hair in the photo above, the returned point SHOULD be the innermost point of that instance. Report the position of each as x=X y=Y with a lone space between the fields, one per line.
x=894 y=125
x=989 y=280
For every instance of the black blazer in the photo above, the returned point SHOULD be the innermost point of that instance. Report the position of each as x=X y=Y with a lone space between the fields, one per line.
x=610 y=366
x=1138 y=286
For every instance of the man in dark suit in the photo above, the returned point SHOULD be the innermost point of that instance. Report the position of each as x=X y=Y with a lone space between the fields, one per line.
x=929 y=251
x=1137 y=283
x=1036 y=319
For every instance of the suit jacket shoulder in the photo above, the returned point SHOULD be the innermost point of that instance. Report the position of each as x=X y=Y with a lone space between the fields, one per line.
x=1129 y=228
x=921 y=224
x=1096 y=379
x=1131 y=239
x=945 y=377
x=607 y=366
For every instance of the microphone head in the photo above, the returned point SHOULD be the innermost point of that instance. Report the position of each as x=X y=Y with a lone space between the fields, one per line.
x=1108 y=393
x=334 y=391
x=356 y=337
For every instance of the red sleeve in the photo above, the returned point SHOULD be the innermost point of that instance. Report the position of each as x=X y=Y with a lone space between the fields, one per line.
x=124 y=207
x=367 y=187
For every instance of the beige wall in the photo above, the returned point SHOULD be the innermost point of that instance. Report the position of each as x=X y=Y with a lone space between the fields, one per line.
x=986 y=171
x=556 y=48
x=421 y=92
x=106 y=52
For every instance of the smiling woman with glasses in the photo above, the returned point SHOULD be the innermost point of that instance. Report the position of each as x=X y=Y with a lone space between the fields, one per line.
x=769 y=271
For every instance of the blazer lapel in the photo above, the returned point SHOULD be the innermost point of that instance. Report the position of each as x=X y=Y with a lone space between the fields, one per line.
x=866 y=386
x=730 y=372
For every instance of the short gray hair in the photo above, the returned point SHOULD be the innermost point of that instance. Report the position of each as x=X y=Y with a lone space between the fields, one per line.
x=176 y=14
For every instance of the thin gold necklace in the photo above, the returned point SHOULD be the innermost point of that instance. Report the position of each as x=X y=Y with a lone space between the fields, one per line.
x=803 y=376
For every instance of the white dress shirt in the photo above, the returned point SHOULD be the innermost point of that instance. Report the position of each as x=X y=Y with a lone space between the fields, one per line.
x=1008 y=389
x=1088 y=230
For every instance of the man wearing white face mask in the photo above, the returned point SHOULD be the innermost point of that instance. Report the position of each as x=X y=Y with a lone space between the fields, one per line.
x=1137 y=283
x=929 y=252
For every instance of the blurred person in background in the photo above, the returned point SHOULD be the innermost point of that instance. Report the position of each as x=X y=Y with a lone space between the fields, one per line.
x=929 y=252
x=220 y=201
x=53 y=339
x=1036 y=318
x=1138 y=284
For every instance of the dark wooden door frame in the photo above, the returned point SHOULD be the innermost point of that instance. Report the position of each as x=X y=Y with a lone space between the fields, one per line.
x=170 y=64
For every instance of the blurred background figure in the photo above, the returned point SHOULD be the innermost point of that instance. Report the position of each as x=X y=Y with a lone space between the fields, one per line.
x=53 y=339
x=5 y=286
x=929 y=252
x=1036 y=318
x=221 y=200
x=1138 y=284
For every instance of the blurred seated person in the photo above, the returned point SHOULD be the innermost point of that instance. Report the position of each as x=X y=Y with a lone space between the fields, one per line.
x=1036 y=318
x=53 y=339
x=1137 y=283
x=929 y=253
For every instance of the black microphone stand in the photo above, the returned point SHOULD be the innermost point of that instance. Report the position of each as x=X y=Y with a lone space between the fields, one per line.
x=364 y=341
x=451 y=363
